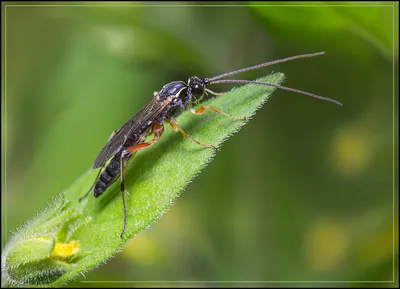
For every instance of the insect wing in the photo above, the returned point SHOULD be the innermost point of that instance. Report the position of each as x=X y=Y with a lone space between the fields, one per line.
x=138 y=121
x=113 y=146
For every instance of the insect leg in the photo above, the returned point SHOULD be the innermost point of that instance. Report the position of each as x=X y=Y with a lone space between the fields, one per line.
x=87 y=193
x=214 y=93
x=176 y=127
x=157 y=129
x=98 y=174
x=203 y=108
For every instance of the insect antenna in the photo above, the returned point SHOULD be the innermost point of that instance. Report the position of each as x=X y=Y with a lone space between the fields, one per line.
x=277 y=86
x=263 y=65
x=217 y=79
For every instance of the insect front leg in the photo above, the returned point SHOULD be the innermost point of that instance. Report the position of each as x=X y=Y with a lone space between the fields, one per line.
x=203 y=108
x=98 y=174
x=214 y=93
x=176 y=127
x=158 y=130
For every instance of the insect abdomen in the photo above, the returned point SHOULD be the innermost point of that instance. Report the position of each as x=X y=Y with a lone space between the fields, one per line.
x=107 y=177
x=112 y=171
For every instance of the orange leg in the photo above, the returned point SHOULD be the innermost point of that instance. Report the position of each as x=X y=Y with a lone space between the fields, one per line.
x=203 y=108
x=157 y=130
x=176 y=127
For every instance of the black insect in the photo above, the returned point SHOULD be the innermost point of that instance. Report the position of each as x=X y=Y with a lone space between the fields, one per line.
x=173 y=99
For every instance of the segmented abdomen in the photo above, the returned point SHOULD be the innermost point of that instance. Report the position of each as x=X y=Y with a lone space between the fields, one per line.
x=112 y=171
x=107 y=177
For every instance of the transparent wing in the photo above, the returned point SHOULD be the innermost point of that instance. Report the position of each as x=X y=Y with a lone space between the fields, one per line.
x=143 y=118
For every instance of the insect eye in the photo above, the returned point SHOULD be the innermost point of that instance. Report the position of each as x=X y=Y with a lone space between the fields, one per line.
x=197 y=89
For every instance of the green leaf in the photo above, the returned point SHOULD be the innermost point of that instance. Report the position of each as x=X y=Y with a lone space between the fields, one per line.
x=71 y=237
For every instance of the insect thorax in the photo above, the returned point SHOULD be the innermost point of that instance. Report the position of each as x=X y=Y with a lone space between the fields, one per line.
x=171 y=89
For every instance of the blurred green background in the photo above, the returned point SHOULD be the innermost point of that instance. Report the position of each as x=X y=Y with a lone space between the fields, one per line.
x=305 y=192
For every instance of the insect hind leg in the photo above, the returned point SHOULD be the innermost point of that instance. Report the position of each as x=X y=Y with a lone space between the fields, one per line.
x=158 y=130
